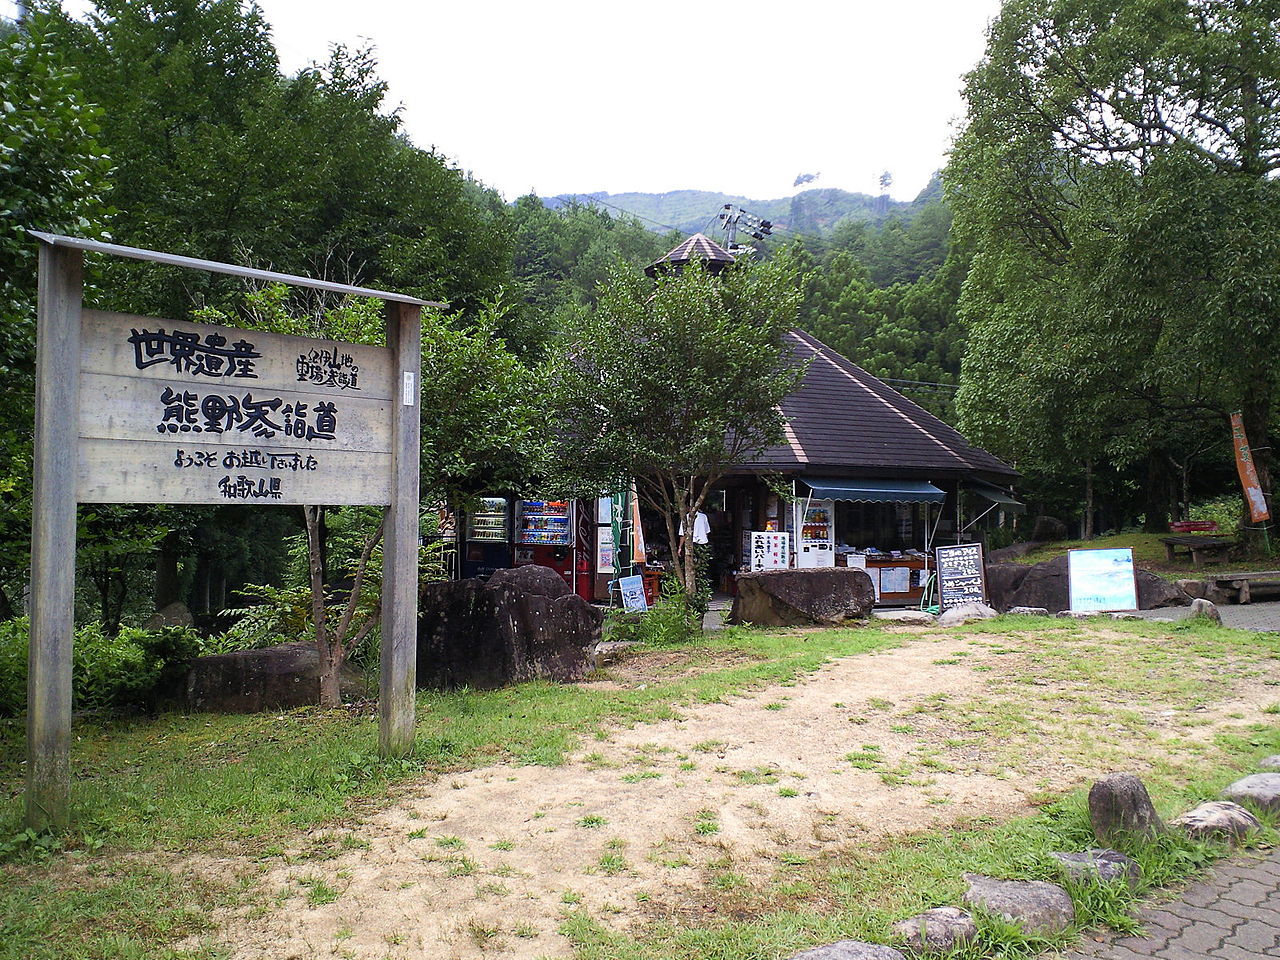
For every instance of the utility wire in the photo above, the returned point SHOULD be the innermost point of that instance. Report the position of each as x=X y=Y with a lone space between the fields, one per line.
x=666 y=226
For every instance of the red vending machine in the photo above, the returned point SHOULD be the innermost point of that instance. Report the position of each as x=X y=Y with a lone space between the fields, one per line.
x=546 y=534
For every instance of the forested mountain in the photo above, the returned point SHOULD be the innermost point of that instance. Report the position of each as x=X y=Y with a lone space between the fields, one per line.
x=817 y=210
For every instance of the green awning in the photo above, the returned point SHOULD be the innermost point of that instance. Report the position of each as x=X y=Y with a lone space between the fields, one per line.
x=990 y=491
x=875 y=491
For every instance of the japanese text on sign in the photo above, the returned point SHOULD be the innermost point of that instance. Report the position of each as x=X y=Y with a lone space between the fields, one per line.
x=961 y=576
x=211 y=357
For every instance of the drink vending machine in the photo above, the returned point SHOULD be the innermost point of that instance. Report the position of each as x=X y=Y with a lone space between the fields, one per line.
x=488 y=545
x=546 y=532
x=815 y=529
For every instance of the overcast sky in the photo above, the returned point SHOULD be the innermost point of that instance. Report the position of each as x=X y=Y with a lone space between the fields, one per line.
x=575 y=96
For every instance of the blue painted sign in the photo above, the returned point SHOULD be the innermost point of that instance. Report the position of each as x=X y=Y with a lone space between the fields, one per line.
x=1102 y=579
x=633 y=594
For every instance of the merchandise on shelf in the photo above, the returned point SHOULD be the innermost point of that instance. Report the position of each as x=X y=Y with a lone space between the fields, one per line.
x=490 y=521
x=544 y=523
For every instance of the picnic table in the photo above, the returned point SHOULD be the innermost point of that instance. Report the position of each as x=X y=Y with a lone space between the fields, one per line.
x=1243 y=583
x=1202 y=549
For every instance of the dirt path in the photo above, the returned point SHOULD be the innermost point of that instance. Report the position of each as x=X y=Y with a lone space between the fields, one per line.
x=485 y=864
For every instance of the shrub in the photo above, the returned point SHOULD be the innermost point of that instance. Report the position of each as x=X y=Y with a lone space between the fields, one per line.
x=1225 y=511
x=674 y=618
x=108 y=673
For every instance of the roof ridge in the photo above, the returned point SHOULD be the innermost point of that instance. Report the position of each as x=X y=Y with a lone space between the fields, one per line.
x=823 y=354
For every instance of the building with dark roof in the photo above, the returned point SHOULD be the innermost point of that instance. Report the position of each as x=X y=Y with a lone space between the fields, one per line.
x=874 y=479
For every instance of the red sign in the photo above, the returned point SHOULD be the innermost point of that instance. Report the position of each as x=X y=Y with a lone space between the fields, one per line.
x=1194 y=526
x=1248 y=475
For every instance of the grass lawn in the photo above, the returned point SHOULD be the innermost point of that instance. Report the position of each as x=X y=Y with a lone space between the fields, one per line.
x=249 y=792
x=1149 y=554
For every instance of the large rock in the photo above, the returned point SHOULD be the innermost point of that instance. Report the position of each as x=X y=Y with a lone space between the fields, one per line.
x=910 y=618
x=1121 y=808
x=1039 y=908
x=1217 y=820
x=1013 y=551
x=797 y=598
x=1048 y=528
x=965 y=613
x=940 y=930
x=1003 y=581
x=1270 y=763
x=1260 y=789
x=1046 y=585
x=175 y=614
x=271 y=678
x=523 y=624
x=1205 y=608
x=1206 y=590
x=850 y=950
x=1109 y=866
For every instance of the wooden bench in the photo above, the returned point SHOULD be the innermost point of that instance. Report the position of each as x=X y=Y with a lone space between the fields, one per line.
x=1202 y=549
x=1243 y=583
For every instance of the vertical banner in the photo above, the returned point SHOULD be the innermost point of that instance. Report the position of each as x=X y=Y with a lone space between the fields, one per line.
x=1248 y=474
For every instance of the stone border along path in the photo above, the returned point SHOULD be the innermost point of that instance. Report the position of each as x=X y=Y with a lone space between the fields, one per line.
x=1232 y=914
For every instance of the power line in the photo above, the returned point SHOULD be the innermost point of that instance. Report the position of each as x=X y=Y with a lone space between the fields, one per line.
x=665 y=226
x=922 y=383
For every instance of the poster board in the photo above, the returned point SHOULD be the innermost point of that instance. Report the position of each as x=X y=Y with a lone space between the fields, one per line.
x=770 y=551
x=1102 y=579
x=633 y=597
x=961 y=574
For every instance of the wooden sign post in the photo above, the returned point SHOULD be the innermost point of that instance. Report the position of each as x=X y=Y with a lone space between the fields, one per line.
x=137 y=409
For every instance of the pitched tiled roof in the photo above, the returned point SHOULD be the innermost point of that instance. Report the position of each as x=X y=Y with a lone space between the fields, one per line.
x=843 y=421
x=697 y=247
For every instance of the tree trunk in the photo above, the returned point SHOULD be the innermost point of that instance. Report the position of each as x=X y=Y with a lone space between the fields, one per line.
x=1155 y=494
x=166 y=586
x=329 y=651
x=1088 y=500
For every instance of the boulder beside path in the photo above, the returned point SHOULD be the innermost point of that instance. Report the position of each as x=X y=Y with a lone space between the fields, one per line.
x=521 y=624
x=799 y=598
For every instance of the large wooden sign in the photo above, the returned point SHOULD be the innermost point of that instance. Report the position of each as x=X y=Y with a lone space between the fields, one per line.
x=143 y=410
x=962 y=575
x=175 y=412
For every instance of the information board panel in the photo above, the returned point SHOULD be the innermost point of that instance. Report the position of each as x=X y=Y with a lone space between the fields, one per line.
x=1102 y=579
x=770 y=551
x=961 y=574
x=633 y=597
x=177 y=412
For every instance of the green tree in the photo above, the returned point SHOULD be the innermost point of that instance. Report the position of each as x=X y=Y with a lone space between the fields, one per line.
x=54 y=176
x=1116 y=173
x=672 y=384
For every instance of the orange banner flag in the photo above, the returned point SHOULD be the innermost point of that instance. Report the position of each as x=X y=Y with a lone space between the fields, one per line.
x=1248 y=474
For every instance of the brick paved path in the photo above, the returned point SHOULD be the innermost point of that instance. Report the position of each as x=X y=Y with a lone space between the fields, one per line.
x=1234 y=914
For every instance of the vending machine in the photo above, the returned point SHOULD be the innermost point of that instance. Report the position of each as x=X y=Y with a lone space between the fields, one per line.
x=545 y=535
x=815 y=530
x=488 y=541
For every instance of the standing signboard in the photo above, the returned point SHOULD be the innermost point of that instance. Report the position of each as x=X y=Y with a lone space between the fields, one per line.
x=962 y=576
x=770 y=551
x=174 y=412
x=140 y=409
x=1102 y=580
x=633 y=597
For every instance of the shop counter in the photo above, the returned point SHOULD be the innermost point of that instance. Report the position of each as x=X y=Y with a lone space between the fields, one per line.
x=897 y=580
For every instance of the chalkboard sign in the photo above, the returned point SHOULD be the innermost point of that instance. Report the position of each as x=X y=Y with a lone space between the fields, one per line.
x=961 y=575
